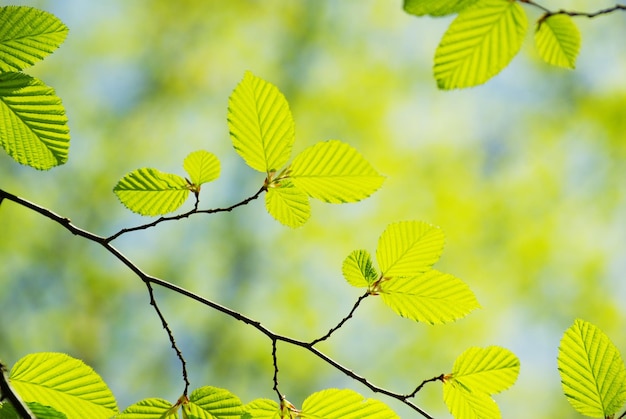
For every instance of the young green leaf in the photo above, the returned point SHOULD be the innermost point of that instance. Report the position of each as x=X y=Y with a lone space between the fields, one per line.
x=149 y=409
x=435 y=7
x=358 y=269
x=479 y=43
x=288 y=204
x=64 y=383
x=334 y=172
x=466 y=404
x=261 y=125
x=408 y=248
x=489 y=370
x=432 y=297
x=151 y=192
x=261 y=409
x=344 y=404
x=27 y=35
x=34 y=127
x=202 y=167
x=592 y=371
x=558 y=41
x=477 y=374
x=45 y=412
x=211 y=402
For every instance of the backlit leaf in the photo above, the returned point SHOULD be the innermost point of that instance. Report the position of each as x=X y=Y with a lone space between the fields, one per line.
x=288 y=204
x=558 y=41
x=202 y=167
x=211 y=402
x=479 y=43
x=261 y=409
x=465 y=404
x=408 y=248
x=358 y=269
x=489 y=370
x=27 y=35
x=592 y=371
x=344 y=404
x=33 y=125
x=435 y=7
x=432 y=297
x=334 y=172
x=151 y=192
x=149 y=409
x=261 y=125
x=64 y=383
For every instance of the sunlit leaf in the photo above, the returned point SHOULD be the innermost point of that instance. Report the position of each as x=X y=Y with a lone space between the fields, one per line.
x=435 y=7
x=358 y=269
x=558 y=41
x=465 y=404
x=408 y=248
x=261 y=409
x=288 y=204
x=64 y=383
x=479 y=43
x=261 y=125
x=334 y=172
x=202 y=167
x=432 y=297
x=149 y=409
x=344 y=404
x=27 y=35
x=151 y=192
x=489 y=370
x=211 y=402
x=33 y=125
x=592 y=371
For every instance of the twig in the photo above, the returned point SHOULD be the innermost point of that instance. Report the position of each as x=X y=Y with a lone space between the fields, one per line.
x=548 y=12
x=418 y=388
x=7 y=392
x=148 y=279
x=193 y=211
x=341 y=323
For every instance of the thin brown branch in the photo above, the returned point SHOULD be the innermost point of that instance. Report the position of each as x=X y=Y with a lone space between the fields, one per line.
x=547 y=12
x=148 y=279
x=418 y=388
x=343 y=321
x=7 y=392
x=187 y=214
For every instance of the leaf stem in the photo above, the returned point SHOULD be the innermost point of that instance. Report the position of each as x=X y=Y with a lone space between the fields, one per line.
x=343 y=321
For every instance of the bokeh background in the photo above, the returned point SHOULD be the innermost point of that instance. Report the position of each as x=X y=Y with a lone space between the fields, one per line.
x=526 y=176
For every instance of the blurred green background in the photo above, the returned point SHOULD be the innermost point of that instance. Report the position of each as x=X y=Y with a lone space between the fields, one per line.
x=526 y=176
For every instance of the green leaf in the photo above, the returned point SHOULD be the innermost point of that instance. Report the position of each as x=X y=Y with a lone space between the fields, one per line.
x=211 y=402
x=432 y=297
x=592 y=371
x=334 y=172
x=64 y=383
x=409 y=248
x=489 y=370
x=151 y=192
x=27 y=35
x=202 y=167
x=288 y=204
x=477 y=374
x=465 y=404
x=358 y=269
x=435 y=7
x=558 y=41
x=261 y=409
x=480 y=42
x=45 y=412
x=7 y=411
x=33 y=125
x=261 y=125
x=149 y=409
x=344 y=404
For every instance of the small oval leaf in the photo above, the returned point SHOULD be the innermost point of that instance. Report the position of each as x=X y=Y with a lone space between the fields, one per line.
x=213 y=402
x=202 y=167
x=358 y=269
x=334 y=172
x=149 y=409
x=344 y=404
x=558 y=41
x=489 y=370
x=288 y=204
x=151 y=192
